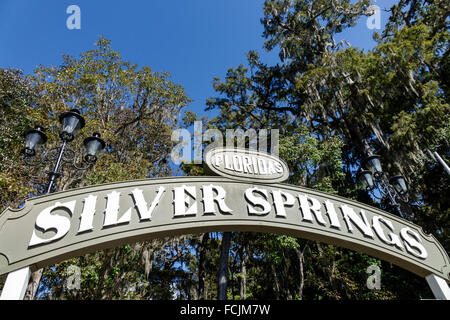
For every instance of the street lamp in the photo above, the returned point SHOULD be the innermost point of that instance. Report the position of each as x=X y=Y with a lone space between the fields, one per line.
x=373 y=163
x=374 y=178
x=93 y=146
x=399 y=184
x=365 y=179
x=71 y=122
x=33 y=138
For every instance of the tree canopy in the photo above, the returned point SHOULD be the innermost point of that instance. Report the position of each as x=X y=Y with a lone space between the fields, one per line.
x=335 y=104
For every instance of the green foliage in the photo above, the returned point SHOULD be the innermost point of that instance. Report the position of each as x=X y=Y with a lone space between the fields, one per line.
x=135 y=111
x=333 y=104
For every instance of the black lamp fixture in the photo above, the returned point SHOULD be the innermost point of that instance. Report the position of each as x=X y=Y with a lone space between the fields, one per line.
x=33 y=138
x=373 y=178
x=365 y=179
x=93 y=146
x=373 y=163
x=71 y=123
x=399 y=184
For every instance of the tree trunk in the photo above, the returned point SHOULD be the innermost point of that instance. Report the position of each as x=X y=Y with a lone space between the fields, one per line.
x=223 y=266
x=300 y=255
x=243 y=282
x=33 y=284
x=277 y=283
x=201 y=266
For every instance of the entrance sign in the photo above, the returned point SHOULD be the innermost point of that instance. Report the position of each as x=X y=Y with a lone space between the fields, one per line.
x=70 y=223
x=67 y=224
x=247 y=165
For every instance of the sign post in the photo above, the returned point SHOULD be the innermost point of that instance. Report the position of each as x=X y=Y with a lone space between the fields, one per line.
x=16 y=284
x=439 y=287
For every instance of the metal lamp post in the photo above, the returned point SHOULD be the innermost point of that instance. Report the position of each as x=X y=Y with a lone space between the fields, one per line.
x=396 y=189
x=71 y=123
x=374 y=178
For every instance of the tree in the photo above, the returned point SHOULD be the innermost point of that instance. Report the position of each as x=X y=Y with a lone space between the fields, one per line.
x=334 y=104
x=135 y=111
x=16 y=95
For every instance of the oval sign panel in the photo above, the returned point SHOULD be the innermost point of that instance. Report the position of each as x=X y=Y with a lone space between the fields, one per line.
x=247 y=165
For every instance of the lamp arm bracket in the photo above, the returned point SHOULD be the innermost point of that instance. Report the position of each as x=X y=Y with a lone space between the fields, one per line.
x=32 y=163
x=80 y=167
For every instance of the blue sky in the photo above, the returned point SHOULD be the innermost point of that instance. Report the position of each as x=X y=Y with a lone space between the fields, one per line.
x=193 y=40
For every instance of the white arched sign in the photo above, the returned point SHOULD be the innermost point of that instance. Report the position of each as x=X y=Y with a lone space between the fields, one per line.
x=66 y=224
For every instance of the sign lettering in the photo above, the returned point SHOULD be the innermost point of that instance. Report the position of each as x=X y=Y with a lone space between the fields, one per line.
x=247 y=197
x=69 y=223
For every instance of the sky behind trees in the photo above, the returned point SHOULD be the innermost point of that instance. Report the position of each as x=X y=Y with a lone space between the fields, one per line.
x=194 y=41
